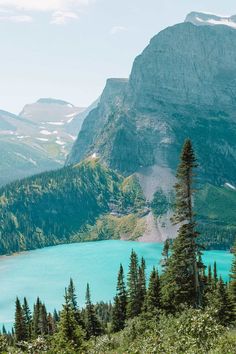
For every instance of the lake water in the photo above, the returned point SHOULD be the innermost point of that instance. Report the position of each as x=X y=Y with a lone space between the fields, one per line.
x=46 y=272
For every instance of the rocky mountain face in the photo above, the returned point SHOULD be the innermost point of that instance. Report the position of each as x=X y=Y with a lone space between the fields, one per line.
x=110 y=101
x=182 y=85
x=38 y=139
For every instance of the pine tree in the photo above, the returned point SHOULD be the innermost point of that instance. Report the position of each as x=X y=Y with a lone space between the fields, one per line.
x=141 y=284
x=220 y=300
x=152 y=301
x=4 y=332
x=165 y=252
x=20 y=325
x=209 y=276
x=56 y=317
x=92 y=324
x=51 y=324
x=72 y=295
x=72 y=298
x=70 y=335
x=233 y=279
x=43 y=320
x=36 y=318
x=120 y=303
x=215 y=276
x=133 y=304
x=181 y=280
x=28 y=318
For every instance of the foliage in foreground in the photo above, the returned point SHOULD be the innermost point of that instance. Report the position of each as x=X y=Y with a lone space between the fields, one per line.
x=191 y=332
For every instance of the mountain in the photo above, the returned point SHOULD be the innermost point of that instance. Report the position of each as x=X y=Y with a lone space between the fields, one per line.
x=84 y=202
x=182 y=85
x=19 y=158
x=52 y=118
x=38 y=139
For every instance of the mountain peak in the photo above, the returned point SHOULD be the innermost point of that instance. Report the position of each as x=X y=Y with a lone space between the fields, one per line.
x=54 y=101
x=207 y=19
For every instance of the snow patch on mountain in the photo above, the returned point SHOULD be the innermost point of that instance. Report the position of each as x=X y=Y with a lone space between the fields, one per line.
x=29 y=159
x=205 y=19
x=229 y=185
x=45 y=132
x=56 y=123
x=42 y=139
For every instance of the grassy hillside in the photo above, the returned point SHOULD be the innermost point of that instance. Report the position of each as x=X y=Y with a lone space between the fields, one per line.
x=62 y=206
x=220 y=203
x=216 y=211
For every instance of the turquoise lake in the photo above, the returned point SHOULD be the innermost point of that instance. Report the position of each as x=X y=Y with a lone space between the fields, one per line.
x=46 y=272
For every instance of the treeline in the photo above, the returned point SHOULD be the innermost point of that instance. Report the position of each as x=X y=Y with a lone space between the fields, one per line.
x=216 y=236
x=58 y=207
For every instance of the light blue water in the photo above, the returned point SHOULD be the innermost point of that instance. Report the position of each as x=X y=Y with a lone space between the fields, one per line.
x=46 y=272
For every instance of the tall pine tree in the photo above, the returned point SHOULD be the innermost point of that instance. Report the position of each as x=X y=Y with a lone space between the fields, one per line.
x=36 y=318
x=133 y=305
x=141 y=284
x=20 y=325
x=72 y=298
x=233 y=280
x=92 y=324
x=220 y=301
x=43 y=320
x=70 y=335
x=181 y=281
x=27 y=317
x=120 y=303
x=152 y=301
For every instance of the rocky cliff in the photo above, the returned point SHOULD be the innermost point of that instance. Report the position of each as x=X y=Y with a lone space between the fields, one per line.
x=182 y=85
x=110 y=101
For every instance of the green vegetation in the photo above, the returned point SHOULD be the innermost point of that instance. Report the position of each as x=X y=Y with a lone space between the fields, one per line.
x=90 y=202
x=192 y=332
x=216 y=209
x=85 y=202
x=160 y=203
x=182 y=311
x=213 y=199
x=128 y=227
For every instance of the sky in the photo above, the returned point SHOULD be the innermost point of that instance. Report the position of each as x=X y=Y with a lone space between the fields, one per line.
x=67 y=49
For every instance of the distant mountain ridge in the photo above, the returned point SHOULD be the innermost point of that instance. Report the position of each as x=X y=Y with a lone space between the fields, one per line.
x=38 y=139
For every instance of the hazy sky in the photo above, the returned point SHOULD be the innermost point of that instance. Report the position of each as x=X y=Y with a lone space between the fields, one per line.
x=68 y=48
